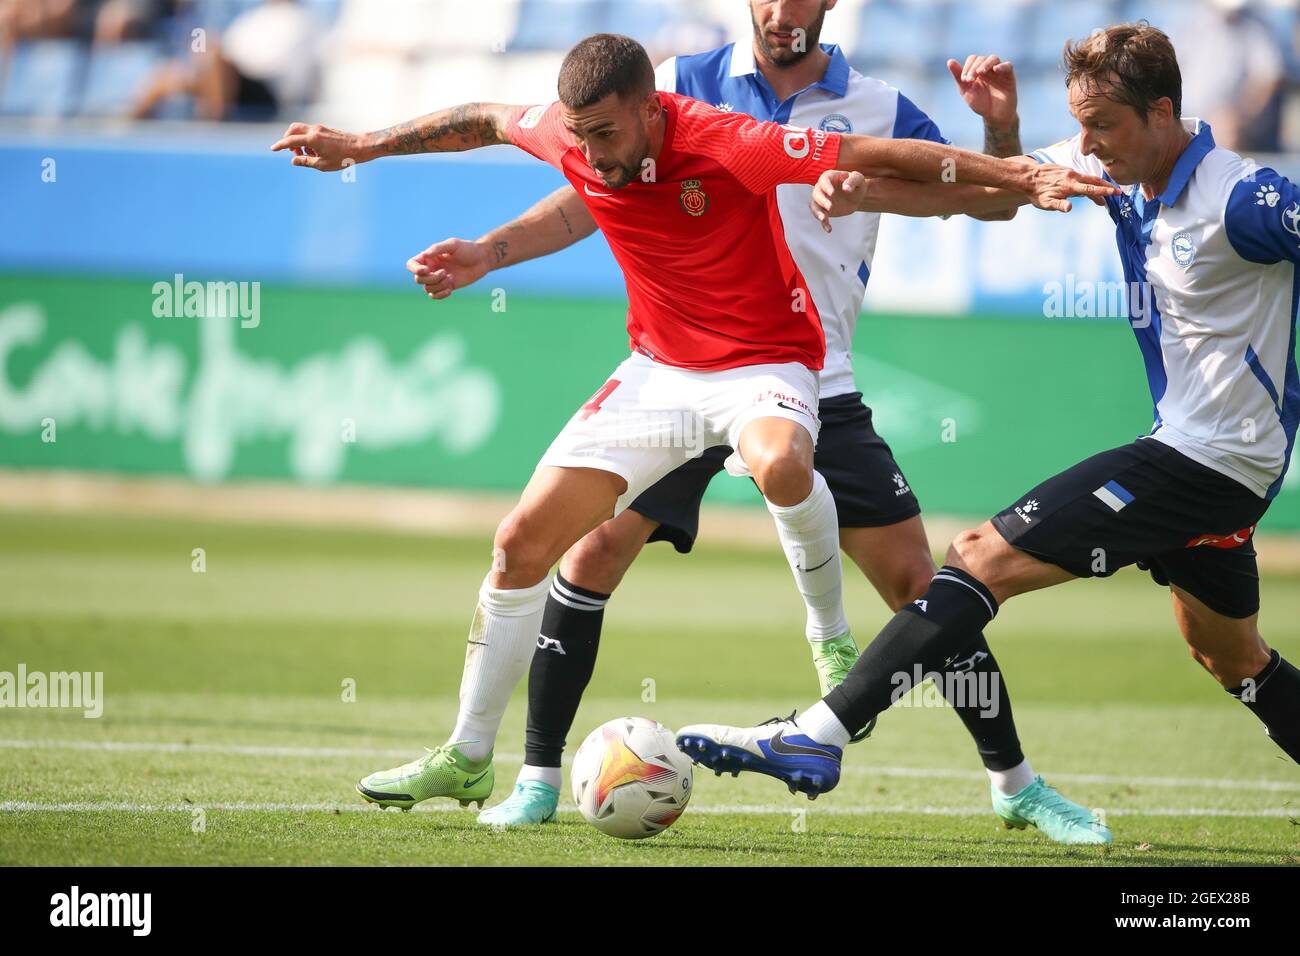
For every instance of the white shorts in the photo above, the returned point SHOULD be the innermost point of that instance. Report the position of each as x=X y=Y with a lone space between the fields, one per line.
x=649 y=418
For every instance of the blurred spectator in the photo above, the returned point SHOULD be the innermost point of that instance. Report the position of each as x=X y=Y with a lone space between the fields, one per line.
x=118 y=21
x=42 y=19
x=265 y=60
x=1233 y=67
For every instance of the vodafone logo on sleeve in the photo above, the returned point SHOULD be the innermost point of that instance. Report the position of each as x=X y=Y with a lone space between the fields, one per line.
x=800 y=142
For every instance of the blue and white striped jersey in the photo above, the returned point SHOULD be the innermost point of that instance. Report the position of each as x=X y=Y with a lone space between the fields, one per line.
x=836 y=266
x=1213 y=263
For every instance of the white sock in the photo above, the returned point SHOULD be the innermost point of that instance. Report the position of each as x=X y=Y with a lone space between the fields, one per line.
x=549 y=775
x=1010 y=782
x=820 y=723
x=501 y=642
x=810 y=536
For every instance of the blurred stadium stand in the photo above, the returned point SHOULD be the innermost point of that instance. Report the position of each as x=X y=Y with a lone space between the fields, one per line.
x=383 y=59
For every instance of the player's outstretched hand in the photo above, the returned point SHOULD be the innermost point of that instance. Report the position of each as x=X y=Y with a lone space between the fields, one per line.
x=837 y=193
x=988 y=85
x=449 y=265
x=322 y=148
x=1053 y=185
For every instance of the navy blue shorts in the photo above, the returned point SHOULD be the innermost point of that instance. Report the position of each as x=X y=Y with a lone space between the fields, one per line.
x=1150 y=505
x=865 y=480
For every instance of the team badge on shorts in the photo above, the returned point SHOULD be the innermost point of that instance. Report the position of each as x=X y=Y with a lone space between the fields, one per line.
x=694 y=199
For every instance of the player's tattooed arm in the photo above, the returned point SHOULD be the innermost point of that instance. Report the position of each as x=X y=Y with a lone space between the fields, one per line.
x=1003 y=141
x=554 y=223
x=453 y=130
x=988 y=85
x=447 y=131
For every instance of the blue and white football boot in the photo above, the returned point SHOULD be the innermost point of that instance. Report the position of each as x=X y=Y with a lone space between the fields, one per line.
x=776 y=747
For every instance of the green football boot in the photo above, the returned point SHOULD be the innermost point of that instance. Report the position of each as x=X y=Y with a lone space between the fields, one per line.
x=1062 y=820
x=532 y=804
x=833 y=660
x=441 y=772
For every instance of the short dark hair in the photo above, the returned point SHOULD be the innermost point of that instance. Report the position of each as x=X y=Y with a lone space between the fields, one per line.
x=602 y=64
x=1136 y=60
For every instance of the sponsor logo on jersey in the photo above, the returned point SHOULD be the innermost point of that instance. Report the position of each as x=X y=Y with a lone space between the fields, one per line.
x=795 y=404
x=1234 y=540
x=587 y=189
x=725 y=107
x=1291 y=220
x=532 y=117
x=694 y=199
x=901 y=482
x=800 y=142
x=1183 y=249
x=1025 y=511
x=836 y=123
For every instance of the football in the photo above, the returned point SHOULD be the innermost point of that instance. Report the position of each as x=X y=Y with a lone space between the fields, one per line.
x=629 y=779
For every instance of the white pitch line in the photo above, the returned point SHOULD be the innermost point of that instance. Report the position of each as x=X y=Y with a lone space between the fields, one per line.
x=249 y=750
x=110 y=806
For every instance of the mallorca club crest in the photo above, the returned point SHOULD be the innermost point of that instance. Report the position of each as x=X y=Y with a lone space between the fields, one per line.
x=694 y=199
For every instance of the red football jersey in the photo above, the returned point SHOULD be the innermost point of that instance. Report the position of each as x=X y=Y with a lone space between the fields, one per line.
x=711 y=283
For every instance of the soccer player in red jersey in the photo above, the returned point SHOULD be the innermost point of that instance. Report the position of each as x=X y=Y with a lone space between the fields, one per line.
x=726 y=341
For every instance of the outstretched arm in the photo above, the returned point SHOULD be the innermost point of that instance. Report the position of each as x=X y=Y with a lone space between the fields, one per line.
x=840 y=193
x=453 y=130
x=554 y=223
x=1046 y=186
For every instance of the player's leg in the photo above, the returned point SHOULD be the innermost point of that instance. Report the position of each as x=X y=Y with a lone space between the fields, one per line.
x=940 y=627
x=897 y=561
x=1069 y=526
x=669 y=511
x=559 y=505
x=1091 y=520
x=1216 y=604
x=778 y=453
x=620 y=442
x=882 y=532
x=563 y=661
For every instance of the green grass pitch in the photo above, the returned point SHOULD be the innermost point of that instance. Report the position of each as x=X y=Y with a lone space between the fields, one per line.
x=226 y=738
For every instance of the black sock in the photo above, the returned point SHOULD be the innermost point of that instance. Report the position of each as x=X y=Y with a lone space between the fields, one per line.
x=1273 y=696
x=977 y=691
x=930 y=632
x=561 y=668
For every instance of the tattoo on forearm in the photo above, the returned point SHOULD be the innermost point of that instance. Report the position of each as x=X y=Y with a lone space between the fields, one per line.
x=567 y=225
x=447 y=131
x=499 y=250
x=1002 y=142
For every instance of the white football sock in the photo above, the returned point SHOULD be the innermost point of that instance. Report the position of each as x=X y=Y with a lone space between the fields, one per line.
x=810 y=536
x=549 y=775
x=501 y=642
x=1010 y=782
x=820 y=723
